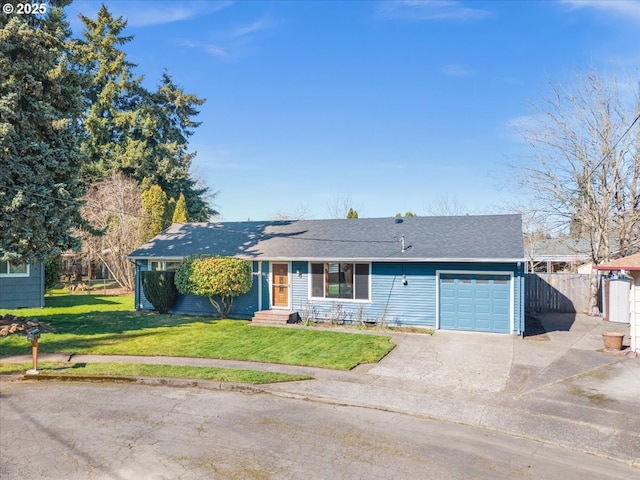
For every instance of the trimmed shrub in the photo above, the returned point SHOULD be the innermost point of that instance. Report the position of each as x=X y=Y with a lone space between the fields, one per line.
x=215 y=276
x=160 y=289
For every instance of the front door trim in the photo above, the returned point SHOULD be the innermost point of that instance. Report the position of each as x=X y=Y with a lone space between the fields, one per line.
x=272 y=286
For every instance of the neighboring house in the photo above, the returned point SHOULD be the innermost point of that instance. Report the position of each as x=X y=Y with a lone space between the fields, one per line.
x=21 y=285
x=631 y=267
x=562 y=254
x=461 y=273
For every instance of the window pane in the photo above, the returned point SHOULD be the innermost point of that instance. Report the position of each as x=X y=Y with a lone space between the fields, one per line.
x=340 y=280
x=15 y=269
x=3 y=267
x=171 y=266
x=317 y=279
x=362 y=282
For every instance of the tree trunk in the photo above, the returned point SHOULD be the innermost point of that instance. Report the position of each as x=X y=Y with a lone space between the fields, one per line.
x=593 y=294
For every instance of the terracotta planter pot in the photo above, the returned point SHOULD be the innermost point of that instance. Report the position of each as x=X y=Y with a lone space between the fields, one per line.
x=612 y=340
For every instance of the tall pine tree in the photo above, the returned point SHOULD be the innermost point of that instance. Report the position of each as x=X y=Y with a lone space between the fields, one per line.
x=40 y=104
x=130 y=130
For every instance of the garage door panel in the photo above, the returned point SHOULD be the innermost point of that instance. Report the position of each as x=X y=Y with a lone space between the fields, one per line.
x=475 y=302
x=483 y=309
x=465 y=308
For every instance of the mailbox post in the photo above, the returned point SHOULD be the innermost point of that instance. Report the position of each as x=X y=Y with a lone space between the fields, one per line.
x=33 y=335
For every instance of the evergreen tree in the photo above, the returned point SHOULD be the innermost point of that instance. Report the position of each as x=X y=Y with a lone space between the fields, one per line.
x=131 y=130
x=40 y=104
x=352 y=213
x=154 y=205
x=169 y=211
x=112 y=99
x=180 y=212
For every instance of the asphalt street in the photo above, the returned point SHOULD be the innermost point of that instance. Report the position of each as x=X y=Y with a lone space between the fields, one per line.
x=90 y=431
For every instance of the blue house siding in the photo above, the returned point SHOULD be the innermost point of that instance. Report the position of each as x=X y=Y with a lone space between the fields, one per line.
x=391 y=301
x=396 y=303
x=264 y=279
x=243 y=307
x=20 y=292
x=414 y=303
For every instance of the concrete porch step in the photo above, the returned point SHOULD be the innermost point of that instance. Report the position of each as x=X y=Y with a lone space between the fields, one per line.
x=274 y=317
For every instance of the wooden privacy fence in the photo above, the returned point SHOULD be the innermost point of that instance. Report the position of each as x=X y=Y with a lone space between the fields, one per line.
x=556 y=292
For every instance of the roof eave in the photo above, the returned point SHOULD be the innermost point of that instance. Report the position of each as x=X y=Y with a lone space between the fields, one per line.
x=352 y=259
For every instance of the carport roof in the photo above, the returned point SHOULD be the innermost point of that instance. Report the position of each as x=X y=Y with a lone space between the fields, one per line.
x=480 y=238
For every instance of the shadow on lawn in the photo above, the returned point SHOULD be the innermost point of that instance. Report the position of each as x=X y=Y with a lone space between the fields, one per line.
x=68 y=301
x=81 y=332
x=116 y=322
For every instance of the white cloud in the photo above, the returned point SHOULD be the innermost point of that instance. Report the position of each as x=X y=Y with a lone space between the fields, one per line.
x=256 y=26
x=624 y=8
x=418 y=10
x=458 y=70
x=145 y=13
x=210 y=48
x=156 y=13
x=232 y=43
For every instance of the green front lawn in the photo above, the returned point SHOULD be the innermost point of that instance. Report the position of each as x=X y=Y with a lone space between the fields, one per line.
x=107 y=325
x=234 y=375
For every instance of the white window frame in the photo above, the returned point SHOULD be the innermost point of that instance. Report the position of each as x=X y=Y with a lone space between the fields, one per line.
x=324 y=286
x=15 y=275
x=164 y=265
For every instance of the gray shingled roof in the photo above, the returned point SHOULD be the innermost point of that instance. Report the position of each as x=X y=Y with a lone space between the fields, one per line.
x=475 y=238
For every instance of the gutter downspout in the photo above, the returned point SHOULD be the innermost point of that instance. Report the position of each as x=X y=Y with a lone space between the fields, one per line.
x=523 y=297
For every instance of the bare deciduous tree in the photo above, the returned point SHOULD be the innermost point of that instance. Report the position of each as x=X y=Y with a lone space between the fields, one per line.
x=446 y=206
x=113 y=206
x=339 y=206
x=300 y=212
x=585 y=167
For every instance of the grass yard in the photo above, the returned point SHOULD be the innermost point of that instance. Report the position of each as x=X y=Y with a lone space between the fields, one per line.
x=140 y=370
x=108 y=325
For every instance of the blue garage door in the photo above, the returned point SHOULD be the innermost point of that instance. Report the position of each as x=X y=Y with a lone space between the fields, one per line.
x=474 y=302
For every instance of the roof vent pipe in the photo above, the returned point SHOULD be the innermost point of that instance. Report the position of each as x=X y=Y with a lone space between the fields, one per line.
x=402 y=243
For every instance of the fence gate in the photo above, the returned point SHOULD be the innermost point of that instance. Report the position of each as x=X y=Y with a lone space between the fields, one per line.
x=556 y=292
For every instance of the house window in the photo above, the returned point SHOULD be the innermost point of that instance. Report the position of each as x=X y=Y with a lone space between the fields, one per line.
x=163 y=265
x=340 y=280
x=8 y=269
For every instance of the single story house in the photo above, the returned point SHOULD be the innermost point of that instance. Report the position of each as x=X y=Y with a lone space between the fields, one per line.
x=458 y=272
x=21 y=285
x=630 y=267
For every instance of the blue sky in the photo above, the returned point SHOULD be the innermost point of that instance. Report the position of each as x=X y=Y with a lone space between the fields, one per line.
x=394 y=106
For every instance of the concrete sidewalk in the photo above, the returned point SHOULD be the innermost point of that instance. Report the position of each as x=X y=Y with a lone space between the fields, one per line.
x=558 y=387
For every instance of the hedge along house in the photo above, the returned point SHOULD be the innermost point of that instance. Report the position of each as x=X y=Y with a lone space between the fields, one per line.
x=460 y=273
x=21 y=285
